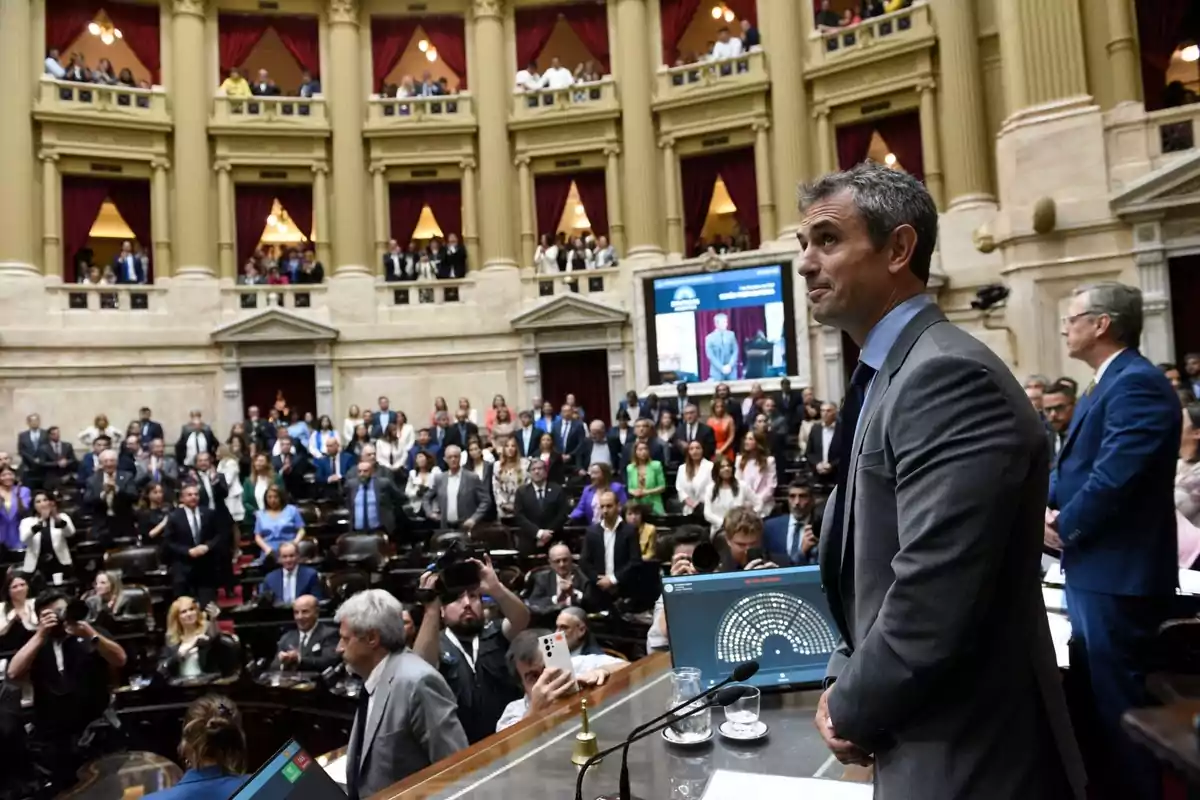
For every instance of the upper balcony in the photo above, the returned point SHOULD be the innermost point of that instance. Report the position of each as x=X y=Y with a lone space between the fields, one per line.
x=454 y=113
x=274 y=116
x=98 y=104
x=579 y=102
x=875 y=37
x=1141 y=142
x=709 y=80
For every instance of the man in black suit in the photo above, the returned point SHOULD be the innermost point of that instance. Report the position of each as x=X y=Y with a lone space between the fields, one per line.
x=454 y=257
x=265 y=85
x=621 y=433
x=382 y=418
x=29 y=441
x=790 y=405
x=56 y=459
x=681 y=399
x=596 y=449
x=564 y=584
x=610 y=548
x=258 y=430
x=652 y=408
x=190 y=547
x=194 y=437
x=151 y=430
x=568 y=432
x=292 y=466
x=540 y=509
x=643 y=431
x=691 y=429
x=527 y=435
x=310 y=646
x=213 y=489
x=822 y=452
x=375 y=503
x=1058 y=405
x=776 y=430
x=461 y=431
x=396 y=264
x=110 y=497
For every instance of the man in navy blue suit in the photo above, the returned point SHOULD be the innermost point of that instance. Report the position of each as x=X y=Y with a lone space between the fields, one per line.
x=1112 y=515
x=292 y=579
x=568 y=432
x=127 y=267
x=795 y=535
x=332 y=468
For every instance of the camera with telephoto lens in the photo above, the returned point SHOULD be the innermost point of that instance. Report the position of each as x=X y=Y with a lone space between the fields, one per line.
x=705 y=558
x=76 y=611
x=456 y=571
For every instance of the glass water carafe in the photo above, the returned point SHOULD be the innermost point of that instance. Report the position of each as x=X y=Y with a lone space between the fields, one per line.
x=686 y=685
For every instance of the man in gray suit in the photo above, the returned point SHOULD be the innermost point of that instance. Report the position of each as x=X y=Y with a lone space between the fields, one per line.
x=459 y=498
x=406 y=718
x=721 y=347
x=945 y=678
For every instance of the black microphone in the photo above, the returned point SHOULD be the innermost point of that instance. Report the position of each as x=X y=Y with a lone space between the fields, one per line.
x=725 y=697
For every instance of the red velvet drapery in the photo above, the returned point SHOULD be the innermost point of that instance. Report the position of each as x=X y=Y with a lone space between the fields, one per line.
x=1161 y=27
x=139 y=27
x=594 y=195
x=252 y=205
x=81 y=201
x=589 y=21
x=697 y=176
x=132 y=199
x=583 y=373
x=448 y=35
x=744 y=9
x=237 y=34
x=737 y=171
x=676 y=16
x=744 y=321
x=550 y=198
x=69 y=19
x=853 y=142
x=444 y=199
x=405 y=202
x=389 y=38
x=534 y=27
x=300 y=36
x=297 y=200
x=902 y=134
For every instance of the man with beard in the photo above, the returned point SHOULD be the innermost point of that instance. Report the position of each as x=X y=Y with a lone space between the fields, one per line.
x=469 y=652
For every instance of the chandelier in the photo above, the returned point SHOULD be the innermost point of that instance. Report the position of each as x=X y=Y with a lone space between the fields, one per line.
x=723 y=11
x=429 y=50
x=106 y=31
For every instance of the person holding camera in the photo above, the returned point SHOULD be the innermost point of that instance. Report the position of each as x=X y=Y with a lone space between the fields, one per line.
x=44 y=536
x=470 y=652
x=67 y=662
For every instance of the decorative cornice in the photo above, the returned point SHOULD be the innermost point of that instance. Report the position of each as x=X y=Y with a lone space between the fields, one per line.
x=343 y=12
x=926 y=85
x=467 y=163
x=666 y=142
x=522 y=161
x=321 y=168
x=196 y=8
x=487 y=8
x=760 y=125
x=222 y=166
x=612 y=150
x=48 y=155
x=820 y=112
x=160 y=163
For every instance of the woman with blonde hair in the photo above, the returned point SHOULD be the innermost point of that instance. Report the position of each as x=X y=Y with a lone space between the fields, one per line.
x=724 y=427
x=489 y=419
x=439 y=407
x=190 y=635
x=501 y=430
x=352 y=421
x=756 y=472
x=107 y=595
x=99 y=427
x=254 y=488
x=645 y=480
x=213 y=747
x=508 y=475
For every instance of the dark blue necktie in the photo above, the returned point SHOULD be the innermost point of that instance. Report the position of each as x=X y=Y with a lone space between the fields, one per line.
x=366 y=487
x=843 y=443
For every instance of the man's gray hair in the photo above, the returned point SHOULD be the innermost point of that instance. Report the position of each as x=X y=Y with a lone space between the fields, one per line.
x=1120 y=303
x=576 y=612
x=886 y=198
x=375 y=610
x=525 y=649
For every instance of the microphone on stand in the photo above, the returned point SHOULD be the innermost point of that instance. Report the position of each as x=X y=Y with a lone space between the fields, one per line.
x=725 y=697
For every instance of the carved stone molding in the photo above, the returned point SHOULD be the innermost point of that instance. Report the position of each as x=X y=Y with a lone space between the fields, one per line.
x=666 y=142
x=926 y=85
x=820 y=113
x=488 y=8
x=160 y=164
x=322 y=167
x=467 y=163
x=612 y=150
x=197 y=8
x=760 y=125
x=48 y=155
x=222 y=166
x=522 y=161
x=343 y=12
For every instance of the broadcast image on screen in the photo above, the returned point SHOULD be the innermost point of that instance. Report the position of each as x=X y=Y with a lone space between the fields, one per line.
x=721 y=326
x=778 y=618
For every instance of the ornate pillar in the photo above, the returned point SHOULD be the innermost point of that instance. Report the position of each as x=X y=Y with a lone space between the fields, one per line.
x=492 y=94
x=160 y=212
x=785 y=37
x=525 y=200
x=17 y=247
x=931 y=149
x=226 y=253
x=345 y=95
x=635 y=73
x=321 y=222
x=52 y=258
x=1042 y=58
x=1154 y=280
x=190 y=97
x=963 y=124
x=762 y=180
x=612 y=192
x=825 y=160
x=380 y=194
x=675 y=242
x=470 y=231
x=1122 y=58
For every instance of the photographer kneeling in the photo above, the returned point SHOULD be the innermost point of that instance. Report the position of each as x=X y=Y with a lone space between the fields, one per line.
x=67 y=661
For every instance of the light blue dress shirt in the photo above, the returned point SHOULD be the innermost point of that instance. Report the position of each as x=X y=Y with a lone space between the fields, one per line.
x=372 y=512
x=883 y=336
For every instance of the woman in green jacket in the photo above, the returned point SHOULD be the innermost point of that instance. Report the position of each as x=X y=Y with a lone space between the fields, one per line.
x=645 y=480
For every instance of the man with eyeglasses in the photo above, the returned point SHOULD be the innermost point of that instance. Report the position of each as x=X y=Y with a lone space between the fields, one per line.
x=1058 y=405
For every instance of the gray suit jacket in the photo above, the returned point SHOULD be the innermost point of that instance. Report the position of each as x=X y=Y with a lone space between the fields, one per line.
x=474 y=500
x=413 y=722
x=947 y=672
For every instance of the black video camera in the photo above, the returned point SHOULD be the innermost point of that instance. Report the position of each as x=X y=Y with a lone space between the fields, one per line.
x=456 y=571
x=76 y=611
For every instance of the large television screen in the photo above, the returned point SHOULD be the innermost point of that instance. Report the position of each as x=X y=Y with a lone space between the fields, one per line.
x=721 y=326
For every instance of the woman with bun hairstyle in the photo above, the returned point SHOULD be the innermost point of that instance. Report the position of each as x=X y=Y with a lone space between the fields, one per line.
x=213 y=748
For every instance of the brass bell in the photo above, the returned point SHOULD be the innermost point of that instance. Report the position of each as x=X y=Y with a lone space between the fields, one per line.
x=586 y=744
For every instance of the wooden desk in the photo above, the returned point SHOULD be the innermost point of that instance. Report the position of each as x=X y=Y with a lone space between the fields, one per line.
x=1169 y=730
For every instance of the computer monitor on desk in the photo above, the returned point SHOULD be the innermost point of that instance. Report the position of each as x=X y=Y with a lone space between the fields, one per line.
x=777 y=617
x=290 y=774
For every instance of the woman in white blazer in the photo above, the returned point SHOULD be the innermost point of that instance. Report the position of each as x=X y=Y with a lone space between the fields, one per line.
x=405 y=432
x=99 y=427
x=352 y=421
x=724 y=494
x=34 y=528
x=694 y=479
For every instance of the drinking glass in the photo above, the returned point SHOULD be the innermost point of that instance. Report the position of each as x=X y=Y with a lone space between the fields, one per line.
x=742 y=715
x=686 y=685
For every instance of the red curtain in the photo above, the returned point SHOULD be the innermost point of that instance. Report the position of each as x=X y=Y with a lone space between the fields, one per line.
x=744 y=321
x=594 y=195
x=389 y=38
x=902 y=133
x=406 y=201
x=676 y=16
x=534 y=27
x=81 y=201
x=1161 y=26
x=69 y=20
x=583 y=373
x=589 y=21
x=853 y=142
x=297 y=200
x=444 y=199
x=744 y=9
x=139 y=28
x=299 y=35
x=447 y=34
x=737 y=170
x=697 y=176
x=550 y=199
x=252 y=206
x=132 y=199
x=237 y=34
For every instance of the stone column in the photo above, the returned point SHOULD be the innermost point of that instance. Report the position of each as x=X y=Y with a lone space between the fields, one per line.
x=785 y=38
x=17 y=247
x=1122 y=58
x=191 y=96
x=670 y=161
x=321 y=224
x=492 y=94
x=52 y=258
x=963 y=124
x=226 y=246
x=762 y=180
x=160 y=211
x=640 y=185
x=470 y=231
x=931 y=148
x=380 y=193
x=1043 y=55
x=612 y=192
x=525 y=200
x=825 y=160
x=345 y=96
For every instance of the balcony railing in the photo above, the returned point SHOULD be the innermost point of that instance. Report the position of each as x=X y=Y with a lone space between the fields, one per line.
x=1140 y=141
x=452 y=109
x=274 y=112
x=405 y=294
x=900 y=26
x=114 y=298
x=257 y=296
x=707 y=77
x=98 y=100
x=578 y=98
x=587 y=281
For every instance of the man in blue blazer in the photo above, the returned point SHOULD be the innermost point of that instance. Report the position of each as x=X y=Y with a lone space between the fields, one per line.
x=336 y=462
x=1112 y=515
x=383 y=417
x=568 y=432
x=127 y=267
x=292 y=579
x=795 y=535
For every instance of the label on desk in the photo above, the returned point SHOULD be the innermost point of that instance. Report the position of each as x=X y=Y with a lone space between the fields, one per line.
x=728 y=785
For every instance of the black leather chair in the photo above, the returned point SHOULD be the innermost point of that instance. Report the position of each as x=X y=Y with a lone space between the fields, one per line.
x=344 y=583
x=365 y=551
x=309 y=551
x=133 y=562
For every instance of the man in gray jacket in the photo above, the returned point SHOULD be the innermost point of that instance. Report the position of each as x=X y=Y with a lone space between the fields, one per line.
x=458 y=498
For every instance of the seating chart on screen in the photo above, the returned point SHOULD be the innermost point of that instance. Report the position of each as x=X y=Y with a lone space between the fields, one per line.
x=760 y=624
